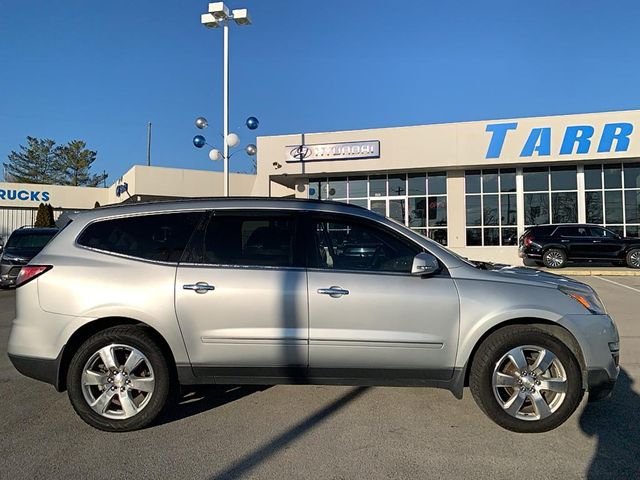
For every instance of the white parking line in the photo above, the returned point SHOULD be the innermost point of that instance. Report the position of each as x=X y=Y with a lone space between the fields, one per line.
x=619 y=284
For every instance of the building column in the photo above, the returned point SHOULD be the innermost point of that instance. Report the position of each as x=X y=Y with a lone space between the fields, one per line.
x=520 y=201
x=582 y=210
x=456 y=211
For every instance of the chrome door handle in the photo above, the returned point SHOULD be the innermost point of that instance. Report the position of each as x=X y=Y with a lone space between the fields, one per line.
x=597 y=241
x=333 y=292
x=200 y=287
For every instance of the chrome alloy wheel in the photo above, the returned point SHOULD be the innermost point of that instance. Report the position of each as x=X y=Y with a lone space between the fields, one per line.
x=554 y=259
x=529 y=382
x=117 y=381
x=634 y=259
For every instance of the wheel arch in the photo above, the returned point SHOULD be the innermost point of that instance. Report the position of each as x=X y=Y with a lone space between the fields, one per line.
x=554 y=329
x=87 y=330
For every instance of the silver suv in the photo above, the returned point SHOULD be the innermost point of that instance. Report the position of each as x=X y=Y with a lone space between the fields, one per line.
x=128 y=302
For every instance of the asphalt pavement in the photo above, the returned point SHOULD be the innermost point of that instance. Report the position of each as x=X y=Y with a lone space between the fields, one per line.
x=324 y=432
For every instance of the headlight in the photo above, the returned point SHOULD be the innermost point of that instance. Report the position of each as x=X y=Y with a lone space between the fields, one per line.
x=588 y=300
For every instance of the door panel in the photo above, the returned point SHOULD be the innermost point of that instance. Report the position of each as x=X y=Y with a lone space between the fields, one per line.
x=252 y=318
x=384 y=322
x=241 y=299
x=367 y=313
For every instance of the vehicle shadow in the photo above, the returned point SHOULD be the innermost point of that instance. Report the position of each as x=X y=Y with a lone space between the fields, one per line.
x=196 y=399
x=244 y=465
x=615 y=423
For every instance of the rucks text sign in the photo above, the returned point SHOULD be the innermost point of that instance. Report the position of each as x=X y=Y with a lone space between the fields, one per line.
x=24 y=195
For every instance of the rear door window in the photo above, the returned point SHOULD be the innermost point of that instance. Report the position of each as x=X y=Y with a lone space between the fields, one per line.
x=158 y=237
x=248 y=239
x=572 y=231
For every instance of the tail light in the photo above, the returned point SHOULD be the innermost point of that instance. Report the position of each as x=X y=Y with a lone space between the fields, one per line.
x=29 y=272
x=528 y=240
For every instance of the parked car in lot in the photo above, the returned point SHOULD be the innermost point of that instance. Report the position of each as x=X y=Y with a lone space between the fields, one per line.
x=128 y=302
x=23 y=244
x=555 y=245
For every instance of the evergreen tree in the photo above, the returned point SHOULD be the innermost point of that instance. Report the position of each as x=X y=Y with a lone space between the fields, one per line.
x=74 y=162
x=51 y=220
x=41 y=216
x=37 y=162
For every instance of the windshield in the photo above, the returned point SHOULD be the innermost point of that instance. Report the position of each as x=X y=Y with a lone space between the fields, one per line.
x=29 y=240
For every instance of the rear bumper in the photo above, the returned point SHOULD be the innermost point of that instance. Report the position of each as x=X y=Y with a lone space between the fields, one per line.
x=43 y=369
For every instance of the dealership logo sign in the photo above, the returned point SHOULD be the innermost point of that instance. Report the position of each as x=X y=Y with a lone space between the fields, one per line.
x=332 y=151
x=24 y=195
x=577 y=139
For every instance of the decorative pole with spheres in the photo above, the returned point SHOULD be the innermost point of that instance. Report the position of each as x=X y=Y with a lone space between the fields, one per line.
x=219 y=15
x=231 y=140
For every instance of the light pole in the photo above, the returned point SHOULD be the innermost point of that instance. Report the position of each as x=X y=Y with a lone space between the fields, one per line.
x=218 y=16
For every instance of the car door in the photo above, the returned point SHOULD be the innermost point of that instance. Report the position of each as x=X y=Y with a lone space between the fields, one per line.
x=241 y=296
x=368 y=316
x=577 y=241
x=606 y=244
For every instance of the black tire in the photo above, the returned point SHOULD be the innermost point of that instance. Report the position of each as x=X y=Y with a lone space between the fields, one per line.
x=633 y=258
x=554 y=258
x=493 y=349
x=137 y=338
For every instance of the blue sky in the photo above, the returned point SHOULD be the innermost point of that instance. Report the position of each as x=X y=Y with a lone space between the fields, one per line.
x=99 y=71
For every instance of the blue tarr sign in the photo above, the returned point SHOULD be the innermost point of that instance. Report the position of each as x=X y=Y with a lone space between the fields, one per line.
x=24 y=195
x=576 y=139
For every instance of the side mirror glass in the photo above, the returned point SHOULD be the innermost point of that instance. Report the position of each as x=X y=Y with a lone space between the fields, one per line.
x=424 y=264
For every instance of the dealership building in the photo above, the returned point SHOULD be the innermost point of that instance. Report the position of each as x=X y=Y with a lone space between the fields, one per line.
x=473 y=186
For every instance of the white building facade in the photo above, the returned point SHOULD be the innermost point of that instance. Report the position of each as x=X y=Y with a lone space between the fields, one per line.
x=473 y=186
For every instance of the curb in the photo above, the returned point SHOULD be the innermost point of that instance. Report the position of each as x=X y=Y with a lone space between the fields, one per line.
x=593 y=272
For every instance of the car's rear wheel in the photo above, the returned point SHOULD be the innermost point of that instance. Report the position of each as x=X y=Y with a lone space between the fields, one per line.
x=119 y=379
x=633 y=258
x=525 y=379
x=554 y=258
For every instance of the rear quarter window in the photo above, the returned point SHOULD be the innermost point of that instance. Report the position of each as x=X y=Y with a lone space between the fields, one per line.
x=159 y=237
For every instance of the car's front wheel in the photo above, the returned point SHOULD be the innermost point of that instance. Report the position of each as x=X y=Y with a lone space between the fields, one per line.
x=119 y=379
x=525 y=379
x=633 y=258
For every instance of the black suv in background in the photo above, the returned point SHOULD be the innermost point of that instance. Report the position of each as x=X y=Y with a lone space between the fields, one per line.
x=23 y=244
x=555 y=245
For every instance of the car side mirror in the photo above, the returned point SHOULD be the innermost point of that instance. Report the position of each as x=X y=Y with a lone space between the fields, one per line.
x=424 y=264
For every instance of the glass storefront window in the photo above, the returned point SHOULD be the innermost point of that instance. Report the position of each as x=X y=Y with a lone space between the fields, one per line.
x=564 y=207
x=490 y=181
x=417 y=184
x=593 y=177
x=612 y=176
x=437 y=183
x=397 y=184
x=358 y=187
x=613 y=203
x=535 y=179
x=417 y=199
x=491 y=205
x=536 y=208
x=508 y=180
x=593 y=205
x=378 y=185
x=564 y=178
x=337 y=188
